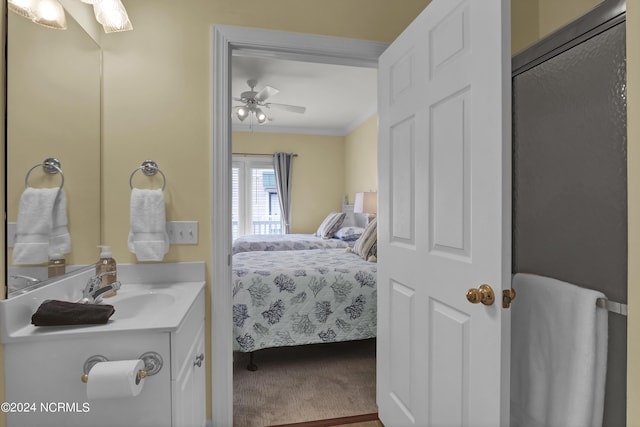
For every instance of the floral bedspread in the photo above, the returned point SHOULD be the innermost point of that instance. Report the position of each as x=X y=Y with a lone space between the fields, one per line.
x=284 y=242
x=287 y=298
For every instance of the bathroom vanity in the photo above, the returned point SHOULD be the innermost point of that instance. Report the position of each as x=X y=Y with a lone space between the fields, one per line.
x=159 y=310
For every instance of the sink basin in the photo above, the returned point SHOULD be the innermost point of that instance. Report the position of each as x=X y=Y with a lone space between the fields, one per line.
x=146 y=304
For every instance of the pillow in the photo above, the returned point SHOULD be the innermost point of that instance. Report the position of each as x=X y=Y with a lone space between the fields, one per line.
x=330 y=225
x=367 y=244
x=349 y=233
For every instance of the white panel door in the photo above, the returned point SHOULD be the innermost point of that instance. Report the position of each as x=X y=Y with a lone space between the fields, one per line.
x=444 y=220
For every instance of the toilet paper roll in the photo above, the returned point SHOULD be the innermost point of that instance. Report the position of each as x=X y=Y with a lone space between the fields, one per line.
x=118 y=378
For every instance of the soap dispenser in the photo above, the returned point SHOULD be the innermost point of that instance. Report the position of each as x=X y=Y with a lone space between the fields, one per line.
x=104 y=265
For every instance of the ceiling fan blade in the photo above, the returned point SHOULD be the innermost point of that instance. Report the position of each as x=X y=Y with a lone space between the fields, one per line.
x=291 y=108
x=265 y=93
x=237 y=99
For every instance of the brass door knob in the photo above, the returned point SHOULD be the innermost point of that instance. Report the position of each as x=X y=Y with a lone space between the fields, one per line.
x=483 y=294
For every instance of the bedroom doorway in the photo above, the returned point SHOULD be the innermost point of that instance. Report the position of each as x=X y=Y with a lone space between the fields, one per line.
x=228 y=41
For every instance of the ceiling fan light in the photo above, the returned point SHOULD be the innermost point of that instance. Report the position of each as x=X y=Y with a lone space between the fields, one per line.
x=242 y=113
x=260 y=116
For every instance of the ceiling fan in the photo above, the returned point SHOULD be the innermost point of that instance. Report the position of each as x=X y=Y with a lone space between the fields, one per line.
x=253 y=101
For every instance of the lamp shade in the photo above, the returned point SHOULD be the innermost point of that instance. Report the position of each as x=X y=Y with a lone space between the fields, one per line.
x=366 y=202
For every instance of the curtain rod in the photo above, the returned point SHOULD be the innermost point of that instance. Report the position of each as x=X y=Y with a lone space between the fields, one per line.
x=259 y=154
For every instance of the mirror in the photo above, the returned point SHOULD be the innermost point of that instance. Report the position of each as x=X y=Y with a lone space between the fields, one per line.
x=53 y=111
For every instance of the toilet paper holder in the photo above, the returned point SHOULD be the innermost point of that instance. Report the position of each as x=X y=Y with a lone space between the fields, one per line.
x=152 y=365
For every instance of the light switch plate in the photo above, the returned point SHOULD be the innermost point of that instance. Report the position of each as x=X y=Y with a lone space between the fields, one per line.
x=183 y=232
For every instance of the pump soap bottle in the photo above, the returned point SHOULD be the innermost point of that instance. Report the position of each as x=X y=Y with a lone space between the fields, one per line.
x=104 y=265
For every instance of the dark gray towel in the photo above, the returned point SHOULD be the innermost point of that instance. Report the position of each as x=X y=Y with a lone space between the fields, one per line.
x=58 y=313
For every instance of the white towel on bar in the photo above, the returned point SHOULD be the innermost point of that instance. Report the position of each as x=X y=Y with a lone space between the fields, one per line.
x=558 y=354
x=35 y=225
x=59 y=239
x=148 y=237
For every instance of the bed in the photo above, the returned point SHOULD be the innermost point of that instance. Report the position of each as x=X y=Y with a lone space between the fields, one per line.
x=334 y=232
x=287 y=298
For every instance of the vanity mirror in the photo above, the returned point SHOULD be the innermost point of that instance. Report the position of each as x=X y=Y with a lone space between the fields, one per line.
x=53 y=111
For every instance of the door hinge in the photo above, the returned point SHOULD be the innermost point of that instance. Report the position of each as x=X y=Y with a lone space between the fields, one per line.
x=508 y=295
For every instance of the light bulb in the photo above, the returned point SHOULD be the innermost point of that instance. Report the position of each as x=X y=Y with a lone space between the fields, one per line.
x=242 y=113
x=260 y=116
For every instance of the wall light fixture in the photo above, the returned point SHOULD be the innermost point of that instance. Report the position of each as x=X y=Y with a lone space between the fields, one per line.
x=111 y=14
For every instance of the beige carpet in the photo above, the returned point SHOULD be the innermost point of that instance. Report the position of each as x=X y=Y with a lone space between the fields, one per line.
x=306 y=383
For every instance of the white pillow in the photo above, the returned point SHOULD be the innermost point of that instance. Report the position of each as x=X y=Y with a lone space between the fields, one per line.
x=349 y=233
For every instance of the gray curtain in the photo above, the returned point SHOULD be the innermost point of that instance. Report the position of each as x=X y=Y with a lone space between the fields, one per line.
x=282 y=165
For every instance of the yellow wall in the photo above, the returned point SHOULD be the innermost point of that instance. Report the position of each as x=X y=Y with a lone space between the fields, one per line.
x=361 y=158
x=554 y=14
x=532 y=20
x=524 y=24
x=318 y=172
x=633 y=162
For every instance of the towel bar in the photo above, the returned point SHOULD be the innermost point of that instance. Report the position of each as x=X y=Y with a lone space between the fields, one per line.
x=614 y=307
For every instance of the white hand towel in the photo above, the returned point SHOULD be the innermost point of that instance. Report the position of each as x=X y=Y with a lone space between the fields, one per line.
x=148 y=237
x=59 y=239
x=558 y=354
x=34 y=225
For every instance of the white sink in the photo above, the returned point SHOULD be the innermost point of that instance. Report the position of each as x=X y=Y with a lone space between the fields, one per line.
x=145 y=303
x=158 y=305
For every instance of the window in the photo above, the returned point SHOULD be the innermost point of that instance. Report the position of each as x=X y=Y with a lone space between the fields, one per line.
x=255 y=203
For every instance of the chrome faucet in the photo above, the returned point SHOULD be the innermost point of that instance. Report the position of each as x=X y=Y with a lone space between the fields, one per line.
x=93 y=289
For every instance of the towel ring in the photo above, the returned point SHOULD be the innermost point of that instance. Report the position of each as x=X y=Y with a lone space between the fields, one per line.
x=149 y=168
x=50 y=165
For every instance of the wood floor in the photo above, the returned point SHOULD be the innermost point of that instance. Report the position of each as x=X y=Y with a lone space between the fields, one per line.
x=367 y=420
